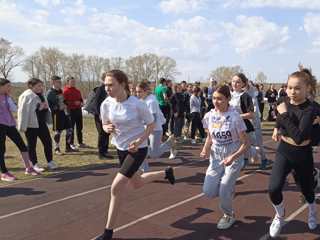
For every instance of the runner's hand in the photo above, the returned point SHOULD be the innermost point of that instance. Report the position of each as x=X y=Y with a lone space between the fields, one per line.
x=275 y=135
x=204 y=153
x=109 y=128
x=133 y=147
x=228 y=160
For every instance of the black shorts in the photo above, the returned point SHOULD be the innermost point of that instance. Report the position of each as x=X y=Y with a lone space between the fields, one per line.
x=60 y=121
x=131 y=162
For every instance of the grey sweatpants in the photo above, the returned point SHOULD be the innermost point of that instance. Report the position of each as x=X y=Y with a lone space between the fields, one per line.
x=220 y=180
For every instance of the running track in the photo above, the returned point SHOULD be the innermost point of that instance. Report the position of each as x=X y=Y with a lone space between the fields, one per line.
x=72 y=206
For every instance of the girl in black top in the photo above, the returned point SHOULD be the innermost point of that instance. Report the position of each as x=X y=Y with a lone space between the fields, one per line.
x=295 y=122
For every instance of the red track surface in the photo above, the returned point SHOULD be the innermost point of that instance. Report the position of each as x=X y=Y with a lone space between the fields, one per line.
x=73 y=206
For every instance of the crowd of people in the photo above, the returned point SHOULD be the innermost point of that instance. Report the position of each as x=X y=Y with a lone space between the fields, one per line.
x=145 y=121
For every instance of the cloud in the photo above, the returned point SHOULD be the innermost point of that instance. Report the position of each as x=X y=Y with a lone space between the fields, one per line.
x=47 y=3
x=256 y=33
x=76 y=8
x=182 y=6
x=294 y=4
x=311 y=27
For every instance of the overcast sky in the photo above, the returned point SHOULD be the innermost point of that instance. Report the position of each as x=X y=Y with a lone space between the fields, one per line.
x=272 y=36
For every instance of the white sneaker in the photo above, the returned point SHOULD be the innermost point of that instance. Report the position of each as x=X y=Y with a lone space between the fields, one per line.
x=312 y=216
x=276 y=225
x=173 y=154
x=226 y=222
x=193 y=141
x=52 y=165
x=38 y=168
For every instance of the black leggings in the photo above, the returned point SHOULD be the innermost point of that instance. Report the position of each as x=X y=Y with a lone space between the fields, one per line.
x=196 y=124
x=32 y=135
x=131 y=162
x=288 y=158
x=76 y=121
x=14 y=135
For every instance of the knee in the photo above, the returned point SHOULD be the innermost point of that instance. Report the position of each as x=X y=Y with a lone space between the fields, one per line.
x=117 y=187
x=225 y=192
x=209 y=191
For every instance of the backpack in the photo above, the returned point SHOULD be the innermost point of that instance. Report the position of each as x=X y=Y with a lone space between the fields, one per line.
x=91 y=102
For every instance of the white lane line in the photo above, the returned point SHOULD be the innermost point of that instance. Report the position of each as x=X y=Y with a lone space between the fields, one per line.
x=166 y=209
x=291 y=217
x=54 y=202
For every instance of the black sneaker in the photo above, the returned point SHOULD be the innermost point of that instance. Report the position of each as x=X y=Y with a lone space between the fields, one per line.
x=103 y=156
x=170 y=175
x=107 y=235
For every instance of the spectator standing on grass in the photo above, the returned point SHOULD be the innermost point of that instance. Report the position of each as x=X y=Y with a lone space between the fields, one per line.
x=161 y=93
x=178 y=110
x=61 y=119
x=74 y=102
x=260 y=99
x=8 y=128
x=195 y=111
x=33 y=117
x=271 y=95
x=130 y=123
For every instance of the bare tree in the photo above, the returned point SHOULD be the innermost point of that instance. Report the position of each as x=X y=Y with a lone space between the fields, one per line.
x=261 y=78
x=224 y=74
x=10 y=57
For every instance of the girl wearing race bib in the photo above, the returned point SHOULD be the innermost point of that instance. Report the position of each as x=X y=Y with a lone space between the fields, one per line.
x=225 y=144
x=156 y=148
x=130 y=123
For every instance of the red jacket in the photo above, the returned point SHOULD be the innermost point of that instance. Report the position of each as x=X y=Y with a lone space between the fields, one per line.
x=72 y=97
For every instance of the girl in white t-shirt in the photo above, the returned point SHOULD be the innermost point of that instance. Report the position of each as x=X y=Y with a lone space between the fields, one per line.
x=225 y=144
x=156 y=147
x=130 y=122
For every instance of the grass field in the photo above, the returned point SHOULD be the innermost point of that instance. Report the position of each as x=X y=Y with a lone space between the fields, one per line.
x=67 y=162
x=72 y=161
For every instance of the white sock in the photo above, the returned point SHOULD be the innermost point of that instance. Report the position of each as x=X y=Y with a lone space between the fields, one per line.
x=279 y=209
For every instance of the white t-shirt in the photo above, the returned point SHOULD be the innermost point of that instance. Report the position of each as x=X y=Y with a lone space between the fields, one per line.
x=224 y=128
x=153 y=106
x=129 y=118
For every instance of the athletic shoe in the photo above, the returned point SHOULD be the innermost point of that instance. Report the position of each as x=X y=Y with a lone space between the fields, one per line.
x=276 y=225
x=52 y=165
x=38 y=168
x=70 y=150
x=58 y=152
x=82 y=145
x=173 y=153
x=170 y=175
x=264 y=164
x=72 y=146
x=8 y=177
x=103 y=156
x=312 y=216
x=31 y=171
x=226 y=222
x=193 y=141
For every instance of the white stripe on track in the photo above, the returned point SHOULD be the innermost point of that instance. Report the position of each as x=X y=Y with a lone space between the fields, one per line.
x=291 y=217
x=167 y=209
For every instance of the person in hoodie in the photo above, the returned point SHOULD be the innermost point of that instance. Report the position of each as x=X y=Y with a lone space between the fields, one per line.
x=61 y=119
x=8 y=128
x=33 y=117
x=74 y=102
